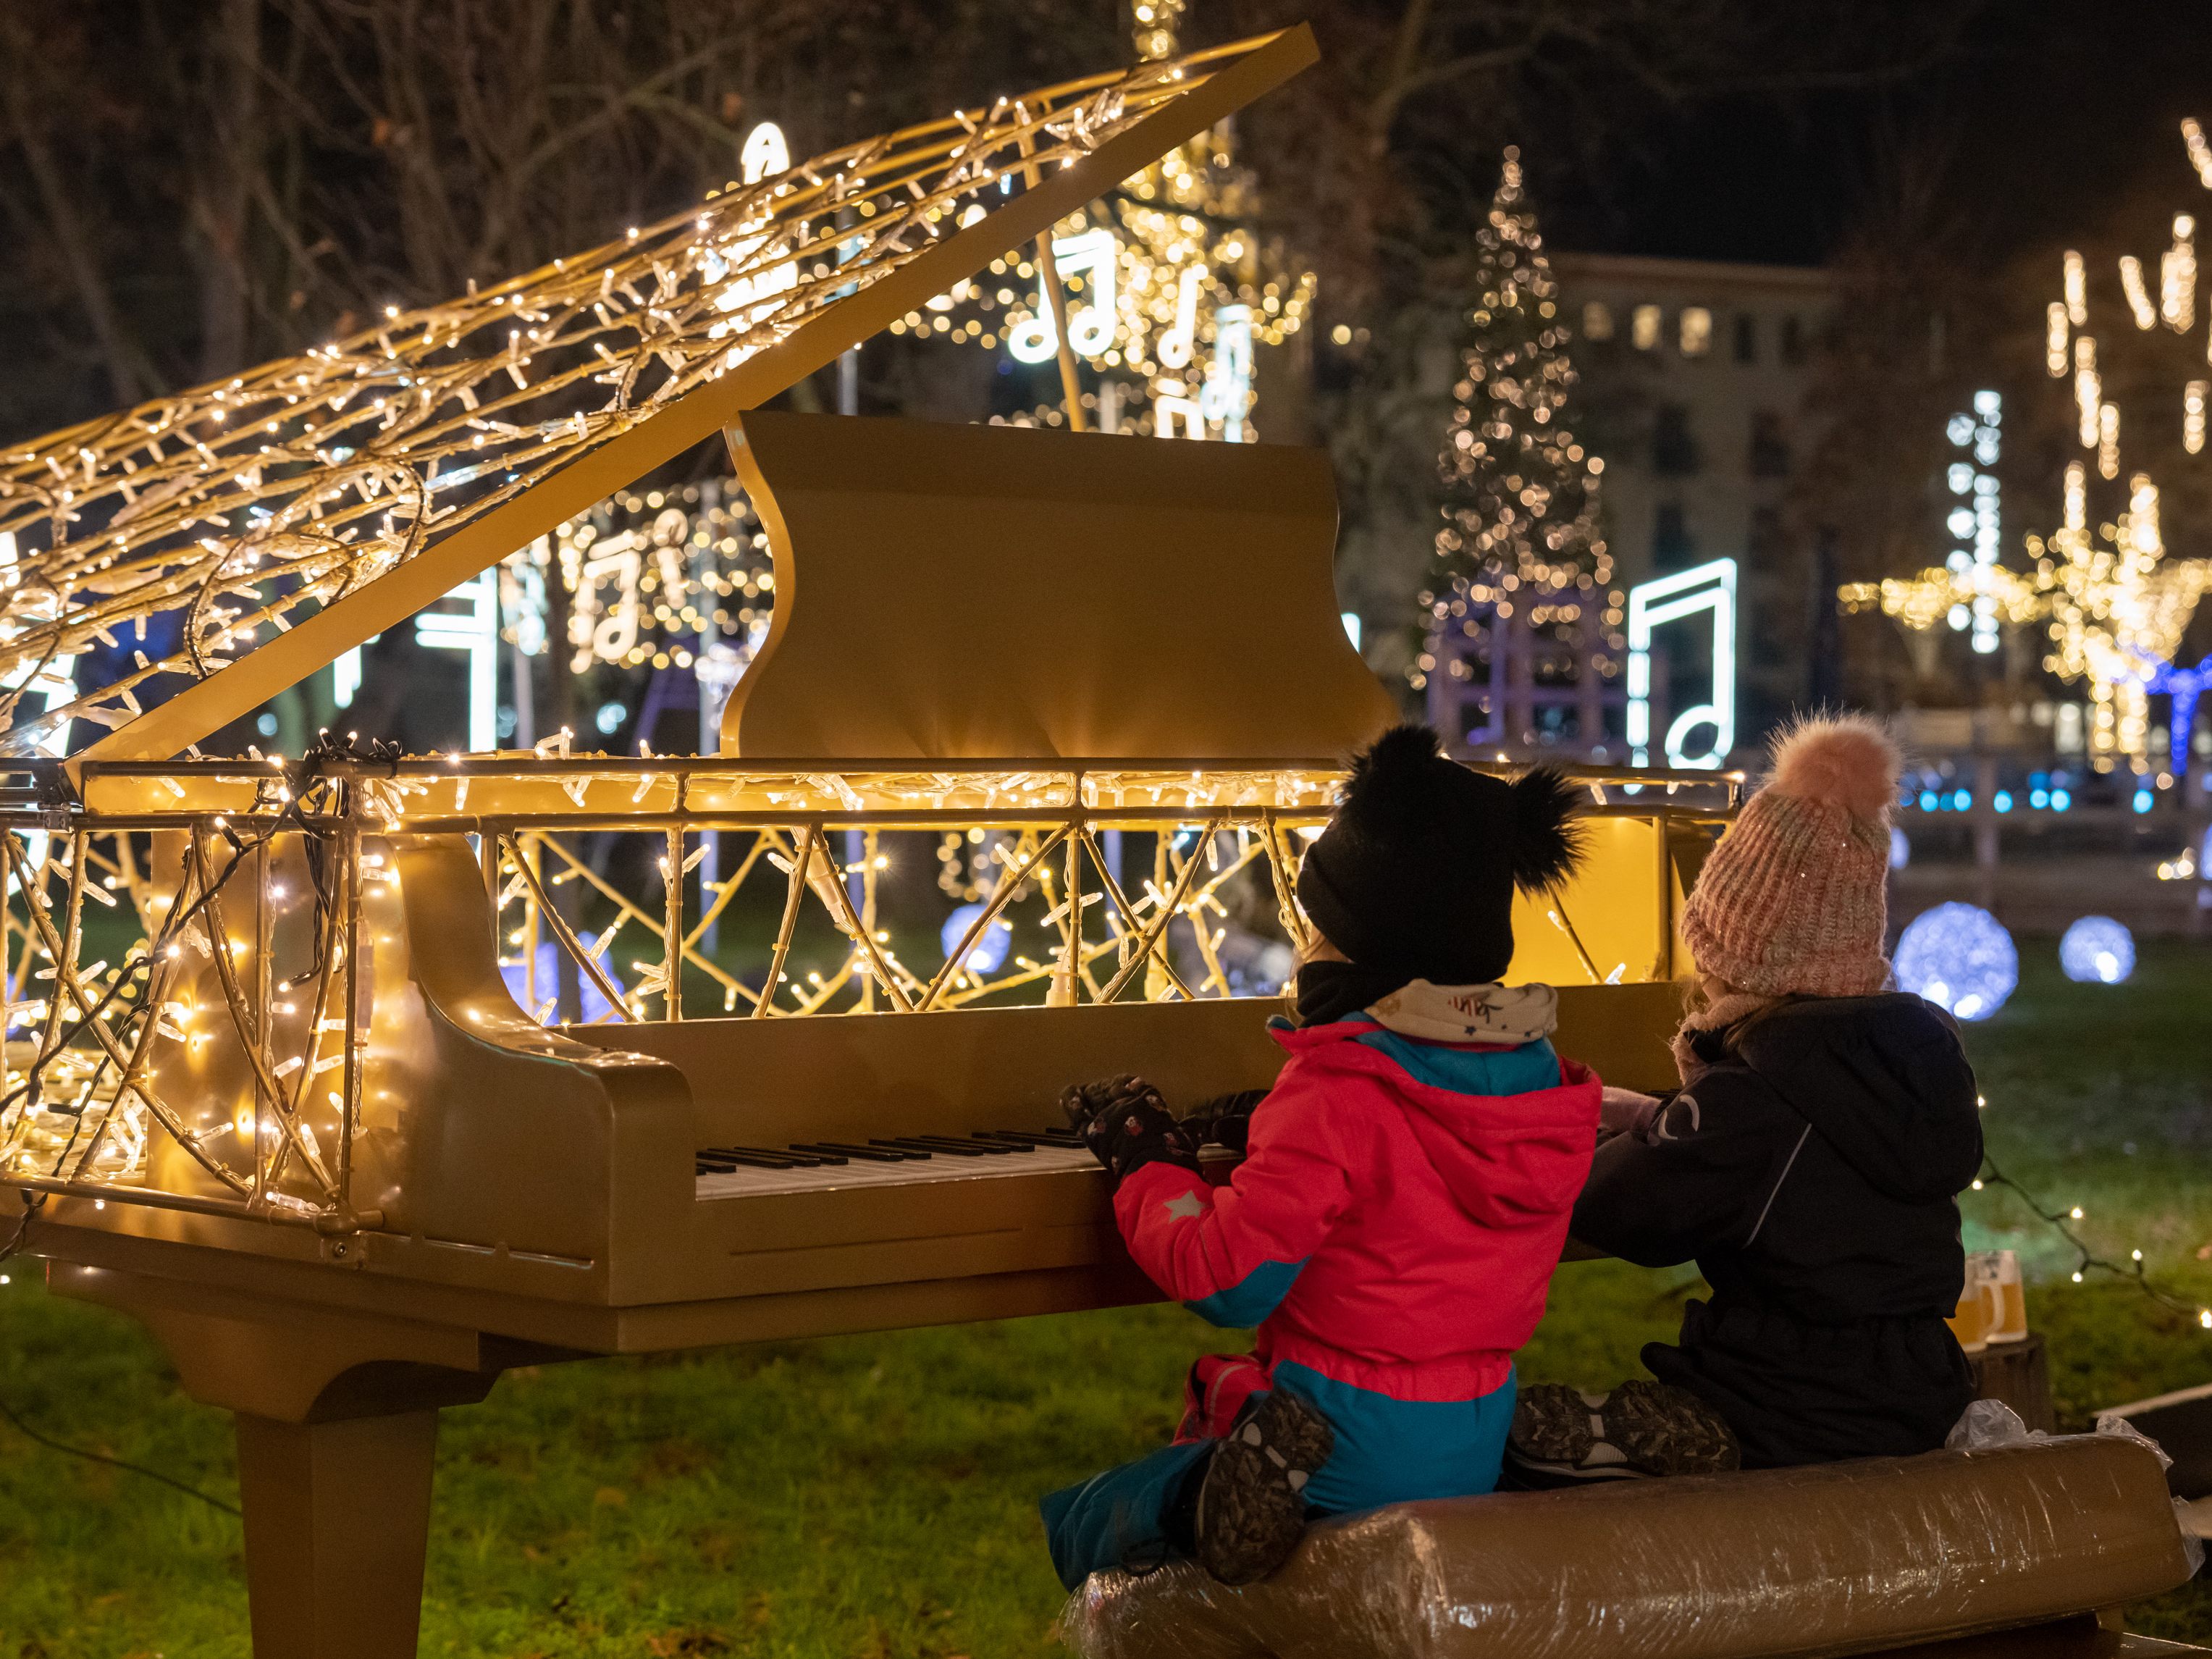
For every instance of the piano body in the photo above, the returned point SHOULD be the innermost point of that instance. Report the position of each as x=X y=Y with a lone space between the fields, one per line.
x=275 y=1092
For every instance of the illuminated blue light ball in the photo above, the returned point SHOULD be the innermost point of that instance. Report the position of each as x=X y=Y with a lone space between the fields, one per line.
x=1900 y=848
x=989 y=951
x=1961 y=958
x=2097 y=951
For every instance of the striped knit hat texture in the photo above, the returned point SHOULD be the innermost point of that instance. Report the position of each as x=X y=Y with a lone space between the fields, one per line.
x=1793 y=902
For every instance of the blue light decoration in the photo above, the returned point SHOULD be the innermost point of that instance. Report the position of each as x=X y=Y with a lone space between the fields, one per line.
x=517 y=976
x=2060 y=800
x=1900 y=848
x=989 y=951
x=2184 y=686
x=2097 y=951
x=1959 y=957
x=2144 y=800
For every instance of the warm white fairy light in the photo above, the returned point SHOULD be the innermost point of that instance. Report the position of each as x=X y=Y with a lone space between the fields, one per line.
x=2108 y=440
x=2054 y=340
x=248 y=504
x=2192 y=416
x=2177 y=276
x=2131 y=285
x=2200 y=153
x=2077 y=289
x=2089 y=388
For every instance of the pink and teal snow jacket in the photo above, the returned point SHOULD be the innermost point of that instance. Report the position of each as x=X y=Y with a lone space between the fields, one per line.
x=1394 y=1224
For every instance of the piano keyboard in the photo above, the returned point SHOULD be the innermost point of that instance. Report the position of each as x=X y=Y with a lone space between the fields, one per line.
x=895 y=1161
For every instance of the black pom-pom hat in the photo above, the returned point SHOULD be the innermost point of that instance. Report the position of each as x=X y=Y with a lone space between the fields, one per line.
x=1415 y=873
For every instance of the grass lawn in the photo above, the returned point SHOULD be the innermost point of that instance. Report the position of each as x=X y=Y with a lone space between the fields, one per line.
x=875 y=1496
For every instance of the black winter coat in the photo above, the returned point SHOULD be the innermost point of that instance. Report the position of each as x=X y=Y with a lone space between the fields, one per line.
x=1811 y=1174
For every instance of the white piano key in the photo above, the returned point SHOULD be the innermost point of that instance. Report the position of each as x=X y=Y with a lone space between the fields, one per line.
x=943 y=1167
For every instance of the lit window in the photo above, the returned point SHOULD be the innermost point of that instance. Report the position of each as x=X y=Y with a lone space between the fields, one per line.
x=1597 y=320
x=1644 y=327
x=1697 y=331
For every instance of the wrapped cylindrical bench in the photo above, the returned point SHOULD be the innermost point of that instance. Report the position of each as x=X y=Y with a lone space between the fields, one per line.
x=1855 y=1558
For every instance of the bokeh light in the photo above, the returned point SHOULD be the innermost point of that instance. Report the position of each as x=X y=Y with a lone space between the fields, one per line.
x=1961 y=958
x=2097 y=951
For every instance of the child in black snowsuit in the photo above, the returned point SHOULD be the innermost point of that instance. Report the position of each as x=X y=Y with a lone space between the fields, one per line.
x=1810 y=1163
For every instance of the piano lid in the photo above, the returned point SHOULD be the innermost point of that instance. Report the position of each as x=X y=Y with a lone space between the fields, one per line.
x=299 y=508
x=978 y=592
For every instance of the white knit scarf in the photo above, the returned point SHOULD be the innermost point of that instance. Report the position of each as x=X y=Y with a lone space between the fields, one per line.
x=1470 y=1013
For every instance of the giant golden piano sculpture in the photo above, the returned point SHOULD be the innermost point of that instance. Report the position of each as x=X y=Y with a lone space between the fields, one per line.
x=268 y=1091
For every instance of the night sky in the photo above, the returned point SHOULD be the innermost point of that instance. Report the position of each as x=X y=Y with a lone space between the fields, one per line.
x=2048 y=111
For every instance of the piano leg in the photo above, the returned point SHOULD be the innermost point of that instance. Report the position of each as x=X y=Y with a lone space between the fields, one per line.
x=338 y=1427
x=336 y=1517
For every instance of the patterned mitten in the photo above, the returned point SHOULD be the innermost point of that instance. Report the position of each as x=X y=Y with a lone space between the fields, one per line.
x=1127 y=1125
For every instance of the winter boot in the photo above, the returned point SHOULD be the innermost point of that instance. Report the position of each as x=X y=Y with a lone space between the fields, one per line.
x=1563 y=1437
x=1251 y=1507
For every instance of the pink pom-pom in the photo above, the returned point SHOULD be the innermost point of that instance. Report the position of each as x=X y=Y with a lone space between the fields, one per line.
x=1840 y=760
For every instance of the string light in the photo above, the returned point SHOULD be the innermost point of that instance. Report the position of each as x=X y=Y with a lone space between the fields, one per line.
x=2200 y=153
x=2177 y=276
x=2054 y=341
x=2087 y=1261
x=2108 y=440
x=2077 y=289
x=2089 y=388
x=2131 y=285
x=246 y=505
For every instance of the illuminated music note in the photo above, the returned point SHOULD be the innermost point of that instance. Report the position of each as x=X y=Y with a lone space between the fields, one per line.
x=1096 y=254
x=752 y=293
x=1170 y=407
x=596 y=628
x=1706 y=587
x=1228 y=390
x=1180 y=343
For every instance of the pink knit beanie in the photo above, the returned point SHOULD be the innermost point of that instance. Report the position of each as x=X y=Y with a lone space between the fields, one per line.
x=1793 y=901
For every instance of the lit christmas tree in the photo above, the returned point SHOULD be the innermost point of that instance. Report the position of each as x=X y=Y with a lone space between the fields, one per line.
x=1521 y=621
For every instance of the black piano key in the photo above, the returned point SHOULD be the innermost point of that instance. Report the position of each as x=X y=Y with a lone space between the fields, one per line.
x=761 y=1157
x=1011 y=1139
x=1031 y=1138
x=836 y=1151
x=945 y=1144
x=971 y=1143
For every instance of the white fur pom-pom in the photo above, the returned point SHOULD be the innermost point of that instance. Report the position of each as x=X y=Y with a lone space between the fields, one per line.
x=1839 y=760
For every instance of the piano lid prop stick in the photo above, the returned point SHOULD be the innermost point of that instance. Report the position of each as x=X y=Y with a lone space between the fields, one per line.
x=791 y=897
x=1070 y=388
x=567 y=936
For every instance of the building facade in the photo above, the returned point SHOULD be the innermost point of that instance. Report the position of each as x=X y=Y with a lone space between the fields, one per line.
x=1696 y=379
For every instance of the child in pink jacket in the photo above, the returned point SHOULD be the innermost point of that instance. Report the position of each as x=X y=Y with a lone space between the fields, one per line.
x=1403 y=1199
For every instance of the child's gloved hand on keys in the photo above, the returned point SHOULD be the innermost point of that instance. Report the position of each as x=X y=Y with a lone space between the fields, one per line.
x=1225 y=1119
x=1626 y=1112
x=1127 y=1125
